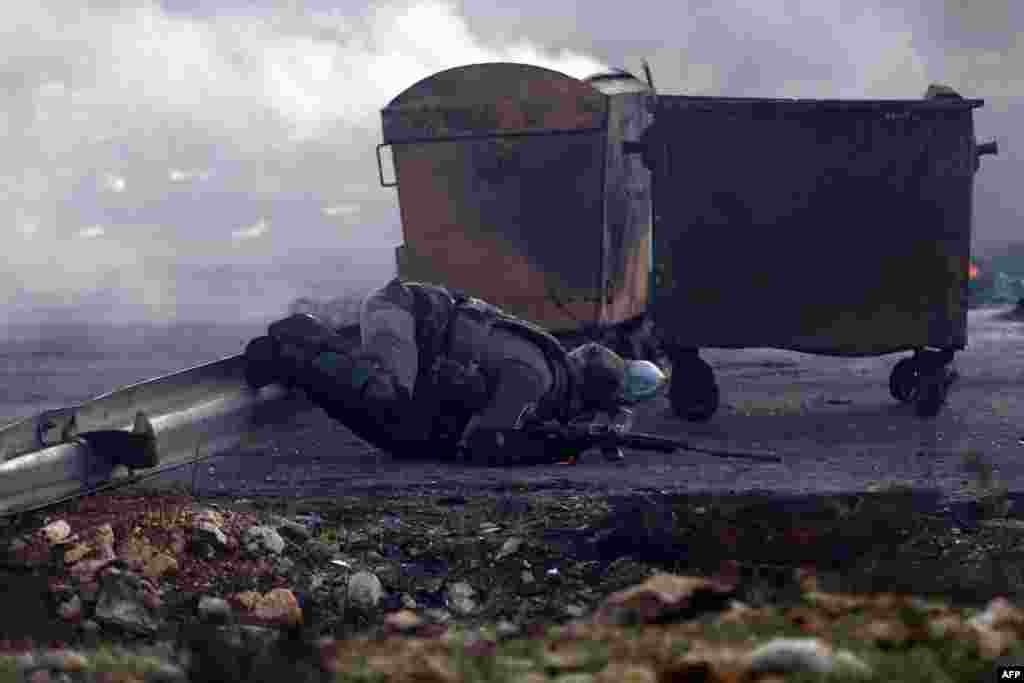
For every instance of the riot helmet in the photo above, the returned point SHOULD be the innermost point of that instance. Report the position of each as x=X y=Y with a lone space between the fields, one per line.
x=644 y=381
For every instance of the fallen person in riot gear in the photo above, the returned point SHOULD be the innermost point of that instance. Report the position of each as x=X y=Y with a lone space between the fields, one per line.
x=446 y=376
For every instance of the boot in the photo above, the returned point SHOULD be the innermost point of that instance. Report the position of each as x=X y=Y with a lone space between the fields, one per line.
x=284 y=356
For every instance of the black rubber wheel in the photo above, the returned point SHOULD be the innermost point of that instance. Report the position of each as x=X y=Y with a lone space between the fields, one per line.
x=692 y=389
x=931 y=396
x=905 y=380
x=261 y=362
x=933 y=392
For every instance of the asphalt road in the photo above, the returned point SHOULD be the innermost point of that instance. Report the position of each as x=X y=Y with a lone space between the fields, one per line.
x=831 y=419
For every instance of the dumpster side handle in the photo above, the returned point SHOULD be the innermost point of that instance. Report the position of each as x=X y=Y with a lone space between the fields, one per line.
x=991 y=147
x=380 y=167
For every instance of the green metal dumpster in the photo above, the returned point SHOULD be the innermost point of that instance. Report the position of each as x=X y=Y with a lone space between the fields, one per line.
x=829 y=227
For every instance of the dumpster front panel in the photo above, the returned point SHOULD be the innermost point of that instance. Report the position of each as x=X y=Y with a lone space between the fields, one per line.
x=838 y=228
x=515 y=221
x=499 y=169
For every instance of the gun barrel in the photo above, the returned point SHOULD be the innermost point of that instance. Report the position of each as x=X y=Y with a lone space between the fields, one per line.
x=648 y=442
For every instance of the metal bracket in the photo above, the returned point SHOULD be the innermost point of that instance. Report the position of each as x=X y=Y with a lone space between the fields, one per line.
x=48 y=420
x=380 y=167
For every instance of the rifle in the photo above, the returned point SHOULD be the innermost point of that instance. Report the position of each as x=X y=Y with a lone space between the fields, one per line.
x=585 y=436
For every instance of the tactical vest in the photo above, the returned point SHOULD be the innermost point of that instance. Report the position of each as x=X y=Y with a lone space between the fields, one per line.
x=435 y=312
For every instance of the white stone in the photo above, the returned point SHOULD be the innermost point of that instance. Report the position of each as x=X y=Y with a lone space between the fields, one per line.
x=364 y=590
x=263 y=538
x=460 y=598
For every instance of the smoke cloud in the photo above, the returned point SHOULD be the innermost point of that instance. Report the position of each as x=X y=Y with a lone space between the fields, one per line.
x=209 y=160
x=144 y=144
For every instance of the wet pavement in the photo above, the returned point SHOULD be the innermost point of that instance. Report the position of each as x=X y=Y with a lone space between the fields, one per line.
x=831 y=419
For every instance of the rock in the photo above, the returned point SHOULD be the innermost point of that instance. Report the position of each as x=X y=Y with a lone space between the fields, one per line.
x=356 y=540
x=294 y=531
x=311 y=521
x=57 y=532
x=402 y=621
x=1000 y=614
x=388 y=574
x=506 y=629
x=214 y=609
x=279 y=607
x=439 y=616
x=317 y=580
x=459 y=598
x=89 y=591
x=25 y=660
x=67 y=661
x=136 y=551
x=283 y=566
x=430 y=584
x=408 y=602
x=201 y=516
x=810 y=655
x=318 y=551
x=166 y=672
x=579 y=677
x=526 y=576
x=120 y=472
x=70 y=610
x=509 y=547
x=664 y=596
x=207 y=536
x=30 y=551
x=618 y=672
x=263 y=539
x=178 y=542
x=87 y=570
x=529 y=677
x=567 y=656
x=160 y=564
x=123 y=602
x=575 y=611
x=103 y=539
x=364 y=590
x=77 y=552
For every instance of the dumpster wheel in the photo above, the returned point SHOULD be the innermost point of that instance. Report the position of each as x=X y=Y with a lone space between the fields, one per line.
x=904 y=381
x=933 y=391
x=924 y=379
x=692 y=390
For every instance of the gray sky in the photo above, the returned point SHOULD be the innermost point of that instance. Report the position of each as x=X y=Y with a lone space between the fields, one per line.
x=196 y=159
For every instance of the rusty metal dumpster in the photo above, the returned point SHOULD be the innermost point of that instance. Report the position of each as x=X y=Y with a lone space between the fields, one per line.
x=830 y=227
x=513 y=186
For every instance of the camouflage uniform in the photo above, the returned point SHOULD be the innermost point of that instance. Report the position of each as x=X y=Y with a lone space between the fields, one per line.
x=464 y=371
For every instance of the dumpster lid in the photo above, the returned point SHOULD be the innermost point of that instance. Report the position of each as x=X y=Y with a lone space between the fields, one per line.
x=708 y=103
x=492 y=98
x=617 y=81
